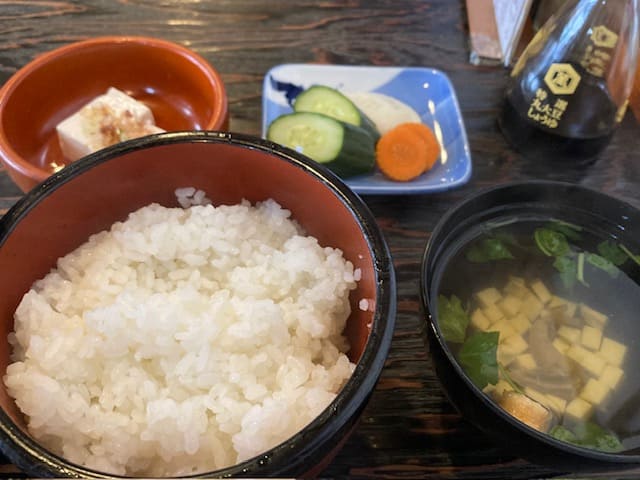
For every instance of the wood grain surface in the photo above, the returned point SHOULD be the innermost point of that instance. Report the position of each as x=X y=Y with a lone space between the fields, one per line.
x=408 y=430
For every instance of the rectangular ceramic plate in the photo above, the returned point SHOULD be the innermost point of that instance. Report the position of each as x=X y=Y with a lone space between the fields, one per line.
x=429 y=92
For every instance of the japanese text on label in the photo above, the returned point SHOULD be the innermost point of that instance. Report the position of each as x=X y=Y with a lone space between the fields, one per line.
x=546 y=111
x=597 y=56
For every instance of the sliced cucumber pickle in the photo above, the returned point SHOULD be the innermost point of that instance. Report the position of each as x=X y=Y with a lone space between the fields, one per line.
x=345 y=149
x=331 y=102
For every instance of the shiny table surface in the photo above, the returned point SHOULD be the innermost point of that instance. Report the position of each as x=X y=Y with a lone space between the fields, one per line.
x=408 y=429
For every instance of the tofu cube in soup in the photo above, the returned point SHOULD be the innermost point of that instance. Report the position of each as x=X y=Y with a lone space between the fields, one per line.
x=613 y=352
x=560 y=345
x=493 y=313
x=592 y=317
x=595 y=391
x=517 y=287
x=589 y=362
x=513 y=346
x=480 y=320
x=526 y=361
x=541 y=291
x=520 y=323
x=569 y=308
x=570 y=334
x=593 y=364
x=488 y=297
x=556 y=404
x=578 y=411
x=531 y=306
x=502 y=386
x=591 y=337
x=504 y=328
x=611 y=376
x=576 y=353
x=510 y=305
x=557 y=301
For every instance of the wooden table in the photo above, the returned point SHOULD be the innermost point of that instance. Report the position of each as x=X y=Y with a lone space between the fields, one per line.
x=408 y=429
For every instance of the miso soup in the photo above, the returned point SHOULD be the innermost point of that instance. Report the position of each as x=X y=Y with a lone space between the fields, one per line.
x=543 y=317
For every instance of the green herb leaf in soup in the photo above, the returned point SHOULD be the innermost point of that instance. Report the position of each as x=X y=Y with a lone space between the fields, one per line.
x=567 y=229
x=563 y=434
x=608 y=442
x=551 y=242
x=452 y=318
x=478 y=357
x=603 y=264
x=568 y=269
x=590 y=435
x=632 y=256
x=612 y=252
x=593 y=435
x=580 y=274
x=488 y=250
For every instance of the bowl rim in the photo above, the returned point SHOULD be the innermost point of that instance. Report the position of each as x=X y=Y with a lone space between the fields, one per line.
x=28 y=169
x=354 y=393
x=434 y=329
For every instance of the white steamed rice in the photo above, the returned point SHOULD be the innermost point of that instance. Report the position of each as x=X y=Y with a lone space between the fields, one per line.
x=182 y=340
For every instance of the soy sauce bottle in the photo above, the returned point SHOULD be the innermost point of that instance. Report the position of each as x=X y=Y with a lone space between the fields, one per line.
x=570 y=87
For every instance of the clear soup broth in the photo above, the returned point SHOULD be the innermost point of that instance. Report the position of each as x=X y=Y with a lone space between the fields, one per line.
x=543 y=317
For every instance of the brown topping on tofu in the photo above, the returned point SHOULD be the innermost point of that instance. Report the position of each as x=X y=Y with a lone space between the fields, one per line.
x=114 y=127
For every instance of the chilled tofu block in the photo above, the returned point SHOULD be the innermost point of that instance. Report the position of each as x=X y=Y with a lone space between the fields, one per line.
x=570 y=334
x=480 y=320
x=592 y=317
x=595 y=391
x=510 y=305
x=526 y=361
x=591 y=337
x=560 y=345
x=493 y=313
x=108 y=119
x=531 y=306
x=504 y=328
x=611 y=376
x=488 y=296
x=516 y=287
x=541 y=291
x=578 y=410
x=556 y=404
x=520 y=323
x=612 y=352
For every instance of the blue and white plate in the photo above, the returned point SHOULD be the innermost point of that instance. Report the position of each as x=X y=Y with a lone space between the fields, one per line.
x=429 y=92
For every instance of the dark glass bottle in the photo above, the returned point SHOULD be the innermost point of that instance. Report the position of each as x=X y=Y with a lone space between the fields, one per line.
x=570 y=87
